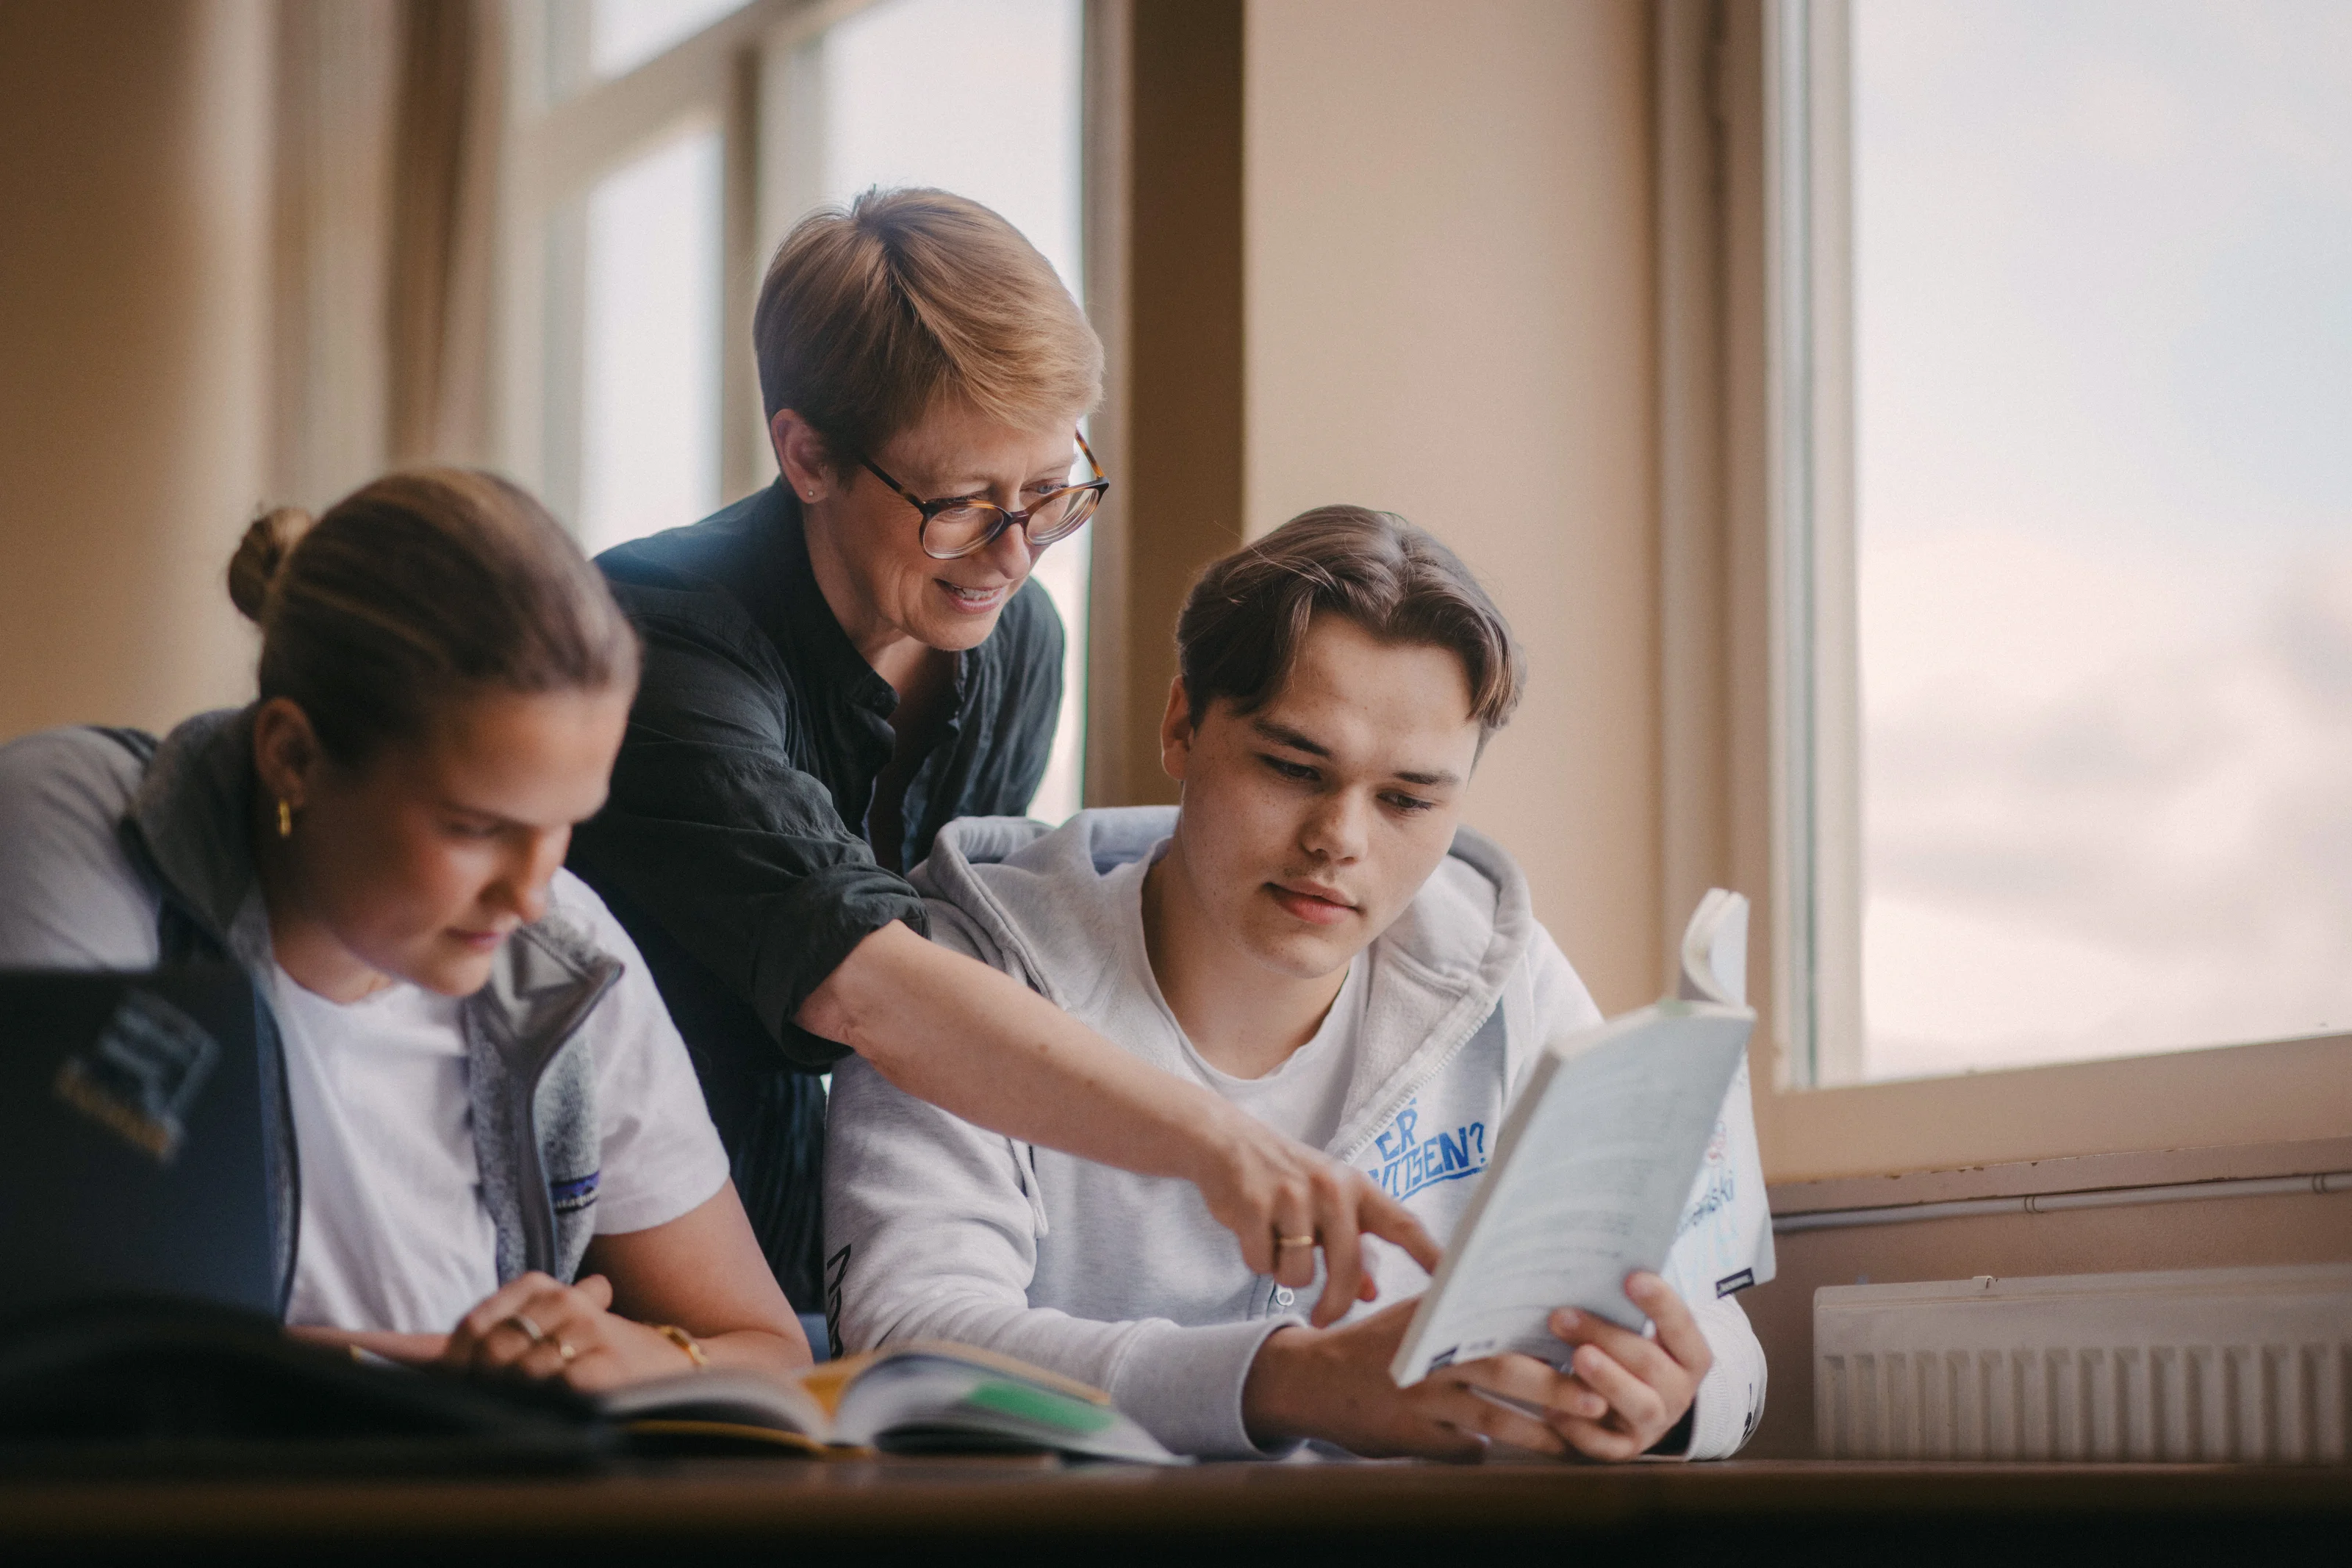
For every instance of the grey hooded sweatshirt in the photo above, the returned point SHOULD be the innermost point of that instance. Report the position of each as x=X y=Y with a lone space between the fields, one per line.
x=935 y=1229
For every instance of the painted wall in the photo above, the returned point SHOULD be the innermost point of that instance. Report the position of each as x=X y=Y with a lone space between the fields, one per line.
x=134 y=174
x=1448 y=274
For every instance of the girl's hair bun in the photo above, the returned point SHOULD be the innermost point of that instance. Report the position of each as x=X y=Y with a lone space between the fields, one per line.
x=261 y=555
x=417 y=589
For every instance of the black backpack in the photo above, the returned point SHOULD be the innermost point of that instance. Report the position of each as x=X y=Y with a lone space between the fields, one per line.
x=150 y=1385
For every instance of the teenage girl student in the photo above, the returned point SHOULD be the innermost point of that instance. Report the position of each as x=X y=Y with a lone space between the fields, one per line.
x=498 y=1156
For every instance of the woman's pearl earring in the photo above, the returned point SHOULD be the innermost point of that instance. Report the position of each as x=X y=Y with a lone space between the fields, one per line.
x=284 y=819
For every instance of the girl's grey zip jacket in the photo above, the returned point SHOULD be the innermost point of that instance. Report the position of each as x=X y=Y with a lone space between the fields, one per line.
x=123 y=852
x=935 y=1229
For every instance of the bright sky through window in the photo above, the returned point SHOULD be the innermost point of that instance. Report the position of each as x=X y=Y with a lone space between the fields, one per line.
x=981 y=98
x=650 y=397
x=2104 y=392
x=625 y=34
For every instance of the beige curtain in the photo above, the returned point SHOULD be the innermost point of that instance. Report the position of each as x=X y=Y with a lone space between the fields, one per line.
x=389 y=116
x=444 y=211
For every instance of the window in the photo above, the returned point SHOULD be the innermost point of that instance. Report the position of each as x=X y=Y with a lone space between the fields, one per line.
x=660 y=151
x=2062 y=292
x=625 y=34
x=981 y=98
x=649 y=344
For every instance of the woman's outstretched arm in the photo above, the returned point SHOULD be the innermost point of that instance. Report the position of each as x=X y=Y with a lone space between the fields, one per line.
x=950 y=1029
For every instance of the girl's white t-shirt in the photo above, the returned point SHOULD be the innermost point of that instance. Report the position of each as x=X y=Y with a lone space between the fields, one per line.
x=393 y=1232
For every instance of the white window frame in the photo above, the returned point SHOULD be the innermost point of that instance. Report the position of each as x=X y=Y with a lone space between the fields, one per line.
x=1808 y=323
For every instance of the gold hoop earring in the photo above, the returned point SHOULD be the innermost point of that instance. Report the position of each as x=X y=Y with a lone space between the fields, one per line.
x=284 y=819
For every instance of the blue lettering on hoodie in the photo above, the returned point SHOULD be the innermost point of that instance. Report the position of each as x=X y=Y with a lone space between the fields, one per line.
x=1408 y=1162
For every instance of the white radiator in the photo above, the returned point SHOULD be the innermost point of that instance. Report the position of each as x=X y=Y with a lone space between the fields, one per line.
x=2206 y=1364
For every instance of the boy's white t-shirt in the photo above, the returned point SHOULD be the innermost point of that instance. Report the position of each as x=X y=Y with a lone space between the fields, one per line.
x=1304 y=1097
x=393 y=1232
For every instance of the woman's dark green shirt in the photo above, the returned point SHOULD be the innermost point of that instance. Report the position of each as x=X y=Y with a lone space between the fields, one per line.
x=734 y=844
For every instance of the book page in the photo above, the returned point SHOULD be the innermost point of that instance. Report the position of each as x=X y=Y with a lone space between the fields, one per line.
x=957 y=1398
x=721 y=1395
x=1724 y=1241
x=1587 y=1184
x=1715 y=951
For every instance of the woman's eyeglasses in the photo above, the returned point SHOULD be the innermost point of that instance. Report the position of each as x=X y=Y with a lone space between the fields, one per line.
x=962 y=525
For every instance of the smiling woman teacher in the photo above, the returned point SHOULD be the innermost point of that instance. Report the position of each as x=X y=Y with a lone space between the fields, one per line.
x=840 y=665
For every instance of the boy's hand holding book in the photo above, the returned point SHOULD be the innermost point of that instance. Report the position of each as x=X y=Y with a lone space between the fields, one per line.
x=1624 y=1394
x=1646 y=1385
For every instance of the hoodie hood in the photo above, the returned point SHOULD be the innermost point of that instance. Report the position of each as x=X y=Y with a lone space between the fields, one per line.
x=1036 y=901
x=190 y=818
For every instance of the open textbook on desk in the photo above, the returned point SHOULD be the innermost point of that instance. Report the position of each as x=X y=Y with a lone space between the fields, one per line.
x=1631 y=1145
x=920 y=1397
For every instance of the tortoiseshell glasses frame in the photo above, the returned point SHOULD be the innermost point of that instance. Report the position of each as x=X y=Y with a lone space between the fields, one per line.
x=958 y=526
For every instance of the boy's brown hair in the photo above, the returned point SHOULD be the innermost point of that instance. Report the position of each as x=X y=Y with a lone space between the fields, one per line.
x=870 y=314
x=1243 y=623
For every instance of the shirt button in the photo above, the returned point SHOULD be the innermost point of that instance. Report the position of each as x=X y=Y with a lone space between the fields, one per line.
x=1284 y=1295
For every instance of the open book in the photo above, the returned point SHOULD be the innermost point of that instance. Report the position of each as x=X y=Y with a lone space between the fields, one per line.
x=1631 y=1145
x=921 y=1397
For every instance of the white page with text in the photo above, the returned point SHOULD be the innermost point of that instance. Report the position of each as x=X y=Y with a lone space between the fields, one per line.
x=1593 y=1174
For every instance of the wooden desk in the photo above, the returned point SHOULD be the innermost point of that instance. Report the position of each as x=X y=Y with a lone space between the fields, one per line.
x=715 y=1511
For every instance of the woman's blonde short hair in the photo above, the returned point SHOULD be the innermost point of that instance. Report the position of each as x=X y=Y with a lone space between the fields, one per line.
x=870 y=316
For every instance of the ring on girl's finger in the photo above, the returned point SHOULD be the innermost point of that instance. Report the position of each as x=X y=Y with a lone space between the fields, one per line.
x=1281 y=1241
x=531 y=1330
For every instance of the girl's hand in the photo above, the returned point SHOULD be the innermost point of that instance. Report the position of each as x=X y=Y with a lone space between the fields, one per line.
x=536 y=1328
x=408 y=1349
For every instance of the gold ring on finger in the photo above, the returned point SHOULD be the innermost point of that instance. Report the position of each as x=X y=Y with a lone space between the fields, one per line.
x=1293 y=1241
x=531 y=1330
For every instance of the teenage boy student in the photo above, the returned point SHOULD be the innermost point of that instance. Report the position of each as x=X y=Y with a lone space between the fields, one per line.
x=1312 y=933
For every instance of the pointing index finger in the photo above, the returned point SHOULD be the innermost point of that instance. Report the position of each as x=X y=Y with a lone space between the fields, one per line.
x=1392 y=1222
